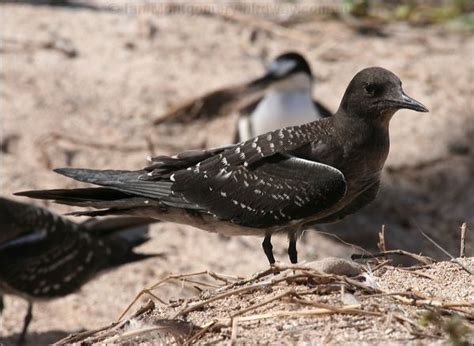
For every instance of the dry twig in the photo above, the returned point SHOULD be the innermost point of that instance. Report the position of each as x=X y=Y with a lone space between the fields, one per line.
x=445 y=251
x=78 y=337
x=428 y=276
x=381 y=243
x=203 y=331
x=182 y=278
x=298 y=285
x=422 y=259
x=463 y=240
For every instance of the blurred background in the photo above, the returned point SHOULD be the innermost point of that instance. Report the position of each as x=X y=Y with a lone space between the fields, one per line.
x=84 y=81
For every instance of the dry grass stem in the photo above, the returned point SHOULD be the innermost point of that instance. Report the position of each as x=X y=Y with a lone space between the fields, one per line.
x=443 y=250
x=265 y=302
x=422 y=259
x=424 y=275
x=297 y=295
x=182 y=278
x=462 y=250
x=203 y=330
x=381 y=244
x=133 y=333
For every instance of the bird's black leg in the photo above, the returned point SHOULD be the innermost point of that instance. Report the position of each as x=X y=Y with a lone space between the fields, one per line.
x=26 y=323
x=292 y=253
x=268 y=248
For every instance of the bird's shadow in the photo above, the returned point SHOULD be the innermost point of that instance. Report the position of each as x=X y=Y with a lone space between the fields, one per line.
x=36 y=338
x=72 y=4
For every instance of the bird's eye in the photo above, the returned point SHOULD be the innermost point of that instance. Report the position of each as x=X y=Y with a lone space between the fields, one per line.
x=373 y=89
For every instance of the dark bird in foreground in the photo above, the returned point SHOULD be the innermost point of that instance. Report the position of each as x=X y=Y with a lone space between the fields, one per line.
x=280 y=98
x=44 y=256
x=281 y=181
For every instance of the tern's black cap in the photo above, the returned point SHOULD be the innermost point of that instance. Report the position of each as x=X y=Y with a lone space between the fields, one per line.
x=282 y=67
x=289 y=63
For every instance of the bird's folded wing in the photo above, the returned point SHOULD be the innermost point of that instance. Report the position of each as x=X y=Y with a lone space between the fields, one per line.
x=278 y=191
x=212 y=105
x=164 y=165
x=254 y=183
x=246 y=153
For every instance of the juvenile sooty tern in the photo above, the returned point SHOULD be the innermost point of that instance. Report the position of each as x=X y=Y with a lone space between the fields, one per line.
x=45 y=256
x=280 y=98
x=281 y=181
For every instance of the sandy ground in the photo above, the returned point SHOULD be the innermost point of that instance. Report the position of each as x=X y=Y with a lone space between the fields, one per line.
x=391 y=304
x=100 y=76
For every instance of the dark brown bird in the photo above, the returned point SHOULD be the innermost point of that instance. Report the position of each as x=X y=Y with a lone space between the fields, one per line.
x=281 y=181
x=45 y=256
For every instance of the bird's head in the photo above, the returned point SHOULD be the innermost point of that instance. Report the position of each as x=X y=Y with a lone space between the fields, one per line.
x=288 y=71
x=376 y=94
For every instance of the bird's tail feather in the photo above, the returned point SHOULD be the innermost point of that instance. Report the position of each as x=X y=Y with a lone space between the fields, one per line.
x=120 y=185
x=108 y=201
x=79 y=196
x=123 y=235
x=125 y=181
x=102 y=212
x=99 y=177
x=116 y=224
x=123 y=190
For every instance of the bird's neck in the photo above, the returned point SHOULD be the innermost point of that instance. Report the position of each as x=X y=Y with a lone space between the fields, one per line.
x=361 y=130
x=363 y=140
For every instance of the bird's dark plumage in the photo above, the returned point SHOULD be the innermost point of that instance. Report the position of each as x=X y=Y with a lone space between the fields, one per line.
x=280 y=181
x=43 y=255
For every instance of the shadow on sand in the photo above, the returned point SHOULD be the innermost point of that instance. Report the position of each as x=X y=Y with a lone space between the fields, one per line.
x=34 y=338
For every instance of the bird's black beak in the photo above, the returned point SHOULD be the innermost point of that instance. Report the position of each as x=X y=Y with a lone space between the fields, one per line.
x=407 y=102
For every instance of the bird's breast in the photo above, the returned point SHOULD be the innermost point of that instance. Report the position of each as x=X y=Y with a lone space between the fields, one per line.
x=363 y=163
x=283 y=109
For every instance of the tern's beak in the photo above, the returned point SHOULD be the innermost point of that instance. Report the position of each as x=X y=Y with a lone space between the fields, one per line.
x=407 y=102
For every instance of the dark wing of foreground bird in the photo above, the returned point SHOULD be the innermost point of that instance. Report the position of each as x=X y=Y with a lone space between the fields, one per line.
x=43 y=255
x=52 y=256
x=257 y=183
x=16 y=219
